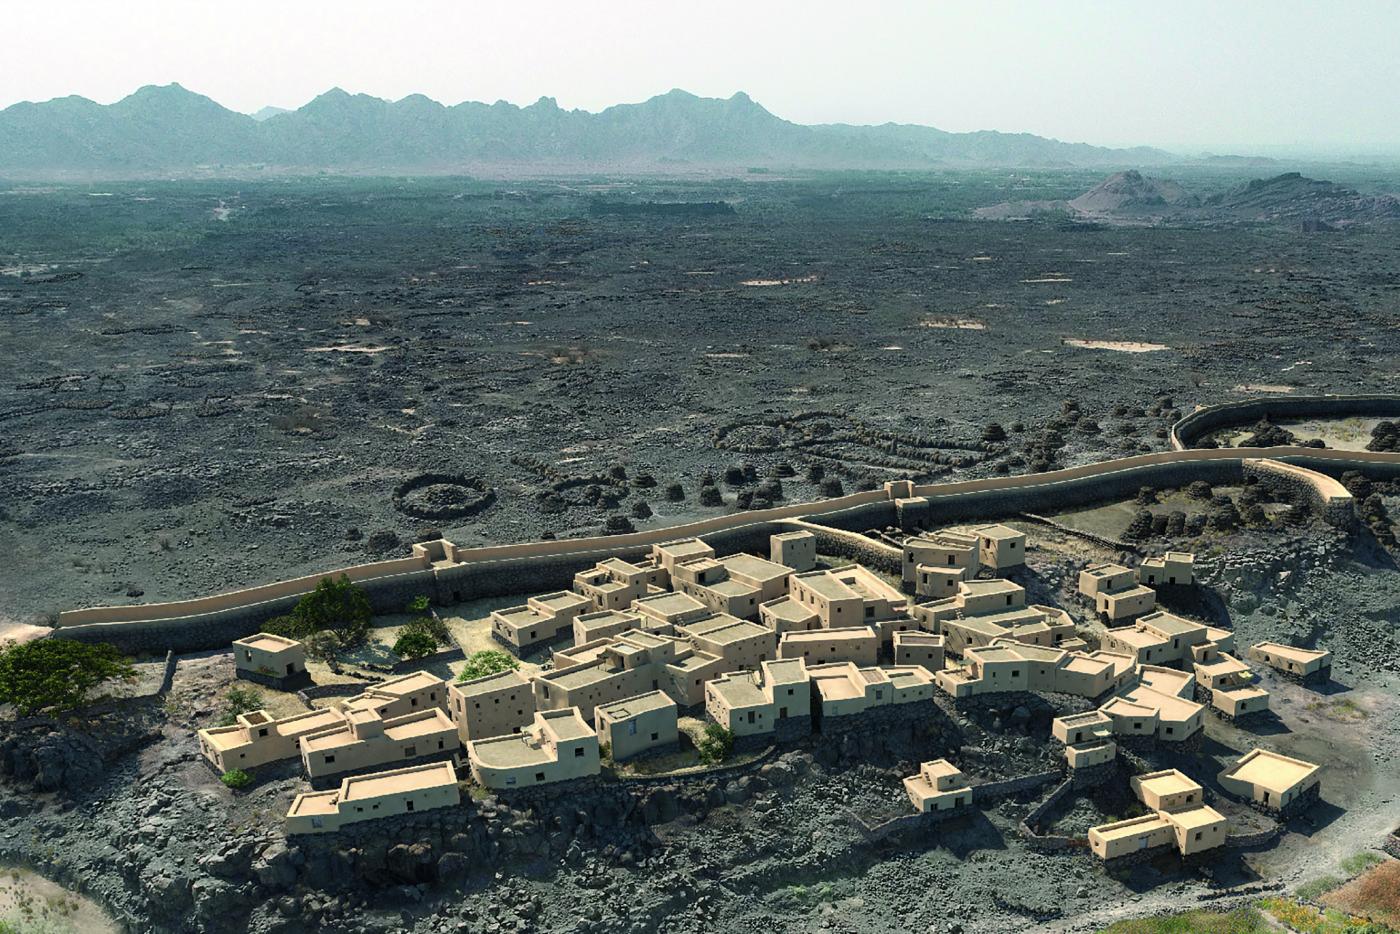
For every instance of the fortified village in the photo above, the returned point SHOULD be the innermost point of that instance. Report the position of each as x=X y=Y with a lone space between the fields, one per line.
x=649 y=674
x=782 y=650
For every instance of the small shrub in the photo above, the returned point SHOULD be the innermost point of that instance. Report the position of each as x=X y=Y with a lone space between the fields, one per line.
x=236 y=778
x=418 y=604
x=239 y=700
x=716 y=745
x=487 y=662
x=414 y=643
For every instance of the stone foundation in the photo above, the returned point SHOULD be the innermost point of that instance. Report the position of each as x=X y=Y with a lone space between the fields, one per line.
x=292 y=682
x=1092 y=775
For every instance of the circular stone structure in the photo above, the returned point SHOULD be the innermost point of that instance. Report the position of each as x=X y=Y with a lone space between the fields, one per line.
x=442 y=496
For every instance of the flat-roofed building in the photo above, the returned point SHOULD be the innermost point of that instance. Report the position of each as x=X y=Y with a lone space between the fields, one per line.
x=938 y=786
x=983 y=611
x=613 y=584
x=590 y=627
x=1000 y=547
x=1083 y=727
x=1115 y=592
x=492 y=705
x=778 y=697
x=1089 y=754
x=401 y=695
x=851 y=595
x=558 y=746
x=1009 y=665
x=1276 y=782
x=858 y=644
x=1173 y=569
x=637 y=725
x=919 y=648
x=844 y=689
x=623 y=666
x=796 y=550
x=1176 y=719
x=662 y=612
x=933 y=564
x=785 y=614
x=381 y=794
x=770 y=577
x=740 y=643
x=707 y=581
x=668 y=554
x=364 y=740
x=684 y=678
x=1227 y=684
x=1180 y=819
x=273 y=660
x=1298 y=664
x=539 y=621
x=1166 y=790
x=255 y=738
x=1161 y=638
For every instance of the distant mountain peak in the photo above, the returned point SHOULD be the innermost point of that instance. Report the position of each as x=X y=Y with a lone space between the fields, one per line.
x=167 y=128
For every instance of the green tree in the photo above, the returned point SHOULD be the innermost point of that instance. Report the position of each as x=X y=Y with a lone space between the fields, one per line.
x=414 y=643
x=717 y=743
x=287 y=626
x=237 y=701
x=57 y=674
x=337 y=606
x=324 y=645
x=236 y=778
x=418 y=604
x=487 y=662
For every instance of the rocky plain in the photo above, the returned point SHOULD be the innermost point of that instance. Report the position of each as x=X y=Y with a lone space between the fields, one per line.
x=216 y=384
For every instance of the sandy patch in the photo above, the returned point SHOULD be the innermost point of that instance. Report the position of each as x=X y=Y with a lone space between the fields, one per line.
x=345 y=348
x=1054 y=301
x=726 y=356
x=20 y=632
x=1050 y=279
x=764 y=283
x=1262 y=387
x=30 y=902
x=981 y=259
x=957 y=324
x=892 y=347
x=1120 y=346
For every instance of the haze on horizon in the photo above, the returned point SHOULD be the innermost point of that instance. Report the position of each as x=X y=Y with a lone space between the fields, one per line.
x=1248 y=76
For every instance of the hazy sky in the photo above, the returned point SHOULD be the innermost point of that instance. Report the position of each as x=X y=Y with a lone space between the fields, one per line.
x=1184 y=74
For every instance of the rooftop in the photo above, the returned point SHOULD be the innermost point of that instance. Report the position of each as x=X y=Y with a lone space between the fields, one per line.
x=564 y=724
x=1130 y=827
x=409 y=726
x=634 y=706
x=488 y=683
x=1291 y=652
x=560 y=600
x=755 y=567
x=823 y=584
x=785 y=671
x=414 y=778
x=998 y=531
x=669 y=604
x=1166 y=782
x=1270 y=770
x=738 y=689
x=267 y=642
x=1201 y=815
x=788 y=608
x=1170 y=623
x=847 y=633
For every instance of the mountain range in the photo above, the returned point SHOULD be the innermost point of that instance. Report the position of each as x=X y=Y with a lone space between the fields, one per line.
x=1129 y=197
x=165 y=129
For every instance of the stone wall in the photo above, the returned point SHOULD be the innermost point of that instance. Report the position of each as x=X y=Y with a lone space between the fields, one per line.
x=1203 y=421
x=990 y=791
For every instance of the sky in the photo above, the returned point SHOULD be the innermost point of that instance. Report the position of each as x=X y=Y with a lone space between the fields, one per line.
x=1186 y=75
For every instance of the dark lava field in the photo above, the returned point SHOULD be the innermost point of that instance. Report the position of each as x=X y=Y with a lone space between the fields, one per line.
x=213 y=384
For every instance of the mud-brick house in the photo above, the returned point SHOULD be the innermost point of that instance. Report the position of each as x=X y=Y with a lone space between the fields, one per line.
x=1000 y=547
x=1115 y=593
x=938 y=786
x=492 y=705
x=1173 y=569
x=557 y=747
x=859 y=644
x=409 y=790
x=795 y=550
x=365 y=740
x=919 y=648
x=539 y=621
x=777 y=699
x=1305 y=666
x=638 y=725
x=1180 y=819
x=271 y=660
x=255 y=738
x=1275 y=782
x=401 y=695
